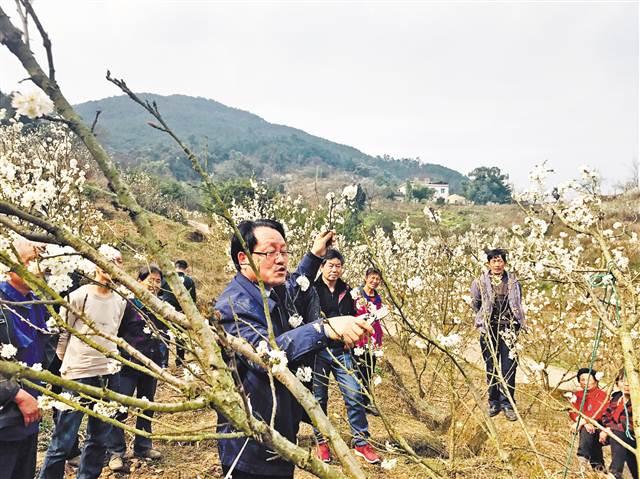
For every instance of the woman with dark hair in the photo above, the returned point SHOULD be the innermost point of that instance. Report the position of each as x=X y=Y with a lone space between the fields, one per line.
x=591 y=401
x=618 y=422
x=368 y=302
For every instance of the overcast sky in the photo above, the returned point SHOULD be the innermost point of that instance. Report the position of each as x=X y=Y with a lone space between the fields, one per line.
x=462 y=84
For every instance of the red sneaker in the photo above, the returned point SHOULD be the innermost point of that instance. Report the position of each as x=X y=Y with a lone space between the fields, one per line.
x=367 y=453
x=323 y=452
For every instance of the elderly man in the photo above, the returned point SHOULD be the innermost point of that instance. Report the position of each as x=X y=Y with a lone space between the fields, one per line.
x=23 y=331
x=242 y=314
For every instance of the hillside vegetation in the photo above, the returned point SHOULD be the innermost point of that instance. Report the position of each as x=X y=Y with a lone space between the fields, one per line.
x=230 y=140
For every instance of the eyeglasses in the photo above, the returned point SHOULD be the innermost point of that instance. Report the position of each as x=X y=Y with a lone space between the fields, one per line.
x=273 y=255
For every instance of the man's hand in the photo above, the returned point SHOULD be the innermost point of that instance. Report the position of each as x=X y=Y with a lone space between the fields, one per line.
x=590 y=428
x=603 y=437
x=28 y=406
x=322 y=242
x=347 y=329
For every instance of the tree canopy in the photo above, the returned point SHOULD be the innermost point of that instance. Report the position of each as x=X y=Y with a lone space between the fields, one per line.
x=487 y=185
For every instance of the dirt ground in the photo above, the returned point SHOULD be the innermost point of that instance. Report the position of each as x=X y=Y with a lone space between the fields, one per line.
x=549 y=429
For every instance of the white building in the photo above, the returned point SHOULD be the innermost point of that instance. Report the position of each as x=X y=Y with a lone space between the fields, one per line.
x=441 y=190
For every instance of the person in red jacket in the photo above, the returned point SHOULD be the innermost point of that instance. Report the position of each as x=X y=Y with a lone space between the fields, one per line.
x=589 y=449
x=618 y=421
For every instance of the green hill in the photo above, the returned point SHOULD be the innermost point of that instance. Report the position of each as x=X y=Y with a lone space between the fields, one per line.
x=231 y=140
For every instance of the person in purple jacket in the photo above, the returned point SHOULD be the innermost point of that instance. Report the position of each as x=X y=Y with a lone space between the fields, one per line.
x=497 y=302
x=242 y=314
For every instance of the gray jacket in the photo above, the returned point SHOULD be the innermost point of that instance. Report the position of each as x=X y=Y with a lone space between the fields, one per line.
x=482 y=299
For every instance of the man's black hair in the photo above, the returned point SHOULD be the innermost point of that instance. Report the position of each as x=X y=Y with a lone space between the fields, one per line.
x=495 y=253
x=582 y=371
x=333 y=254
x=371 y=271
x=247 y=229
x=145 y=271
x=181 y=264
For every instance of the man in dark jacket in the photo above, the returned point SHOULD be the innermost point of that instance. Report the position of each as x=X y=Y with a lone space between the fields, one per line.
x=142 y=330
x=336 y=300
x=167 y=295
x=23 y=335
x=242 y=314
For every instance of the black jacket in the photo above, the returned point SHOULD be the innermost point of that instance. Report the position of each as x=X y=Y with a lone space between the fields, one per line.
x=167 y=295
x=342 y=294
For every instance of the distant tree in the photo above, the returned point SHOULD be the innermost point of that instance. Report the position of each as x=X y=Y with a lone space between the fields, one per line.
x=487 y=185
x=421 y=193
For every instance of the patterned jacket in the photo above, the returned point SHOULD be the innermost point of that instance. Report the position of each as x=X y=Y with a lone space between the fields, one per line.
x=482 y=299
x=618 y=415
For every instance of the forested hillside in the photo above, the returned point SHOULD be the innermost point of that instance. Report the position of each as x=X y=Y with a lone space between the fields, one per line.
x=231 y=140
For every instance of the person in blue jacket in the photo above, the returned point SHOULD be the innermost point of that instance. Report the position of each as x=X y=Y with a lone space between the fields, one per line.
x=23 y=332
x=241 y=312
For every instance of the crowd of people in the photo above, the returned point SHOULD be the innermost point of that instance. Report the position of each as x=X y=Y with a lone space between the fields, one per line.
x=317 y=319
x=23 y=324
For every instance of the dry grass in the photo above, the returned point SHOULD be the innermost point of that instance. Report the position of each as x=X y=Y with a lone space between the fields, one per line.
x=548 y=427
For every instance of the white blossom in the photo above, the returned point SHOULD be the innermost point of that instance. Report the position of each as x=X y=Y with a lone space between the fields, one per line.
x=303 y=282
x=33 y=104
x=113 y=366
x=304 y=374
x=62 y=406
x=278 y=360
x=451 y=341
x=358 y=351
x=378 y=353
x=109 y=409
x=36 y=367
x=599 y=375
x=263 y=348
x=295 y=320
x=350 y=192
x=415 y=283
x=355 y=294
x=7 y=351
x=377 y=380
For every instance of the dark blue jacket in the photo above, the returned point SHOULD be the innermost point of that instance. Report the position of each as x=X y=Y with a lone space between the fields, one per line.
x=136 y=320
x=243 y=298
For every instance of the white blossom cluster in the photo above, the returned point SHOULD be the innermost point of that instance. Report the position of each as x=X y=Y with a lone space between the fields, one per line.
x=33 y=104
x=277 y=358
x=109 y=409
x=40 y=172
x=47 y=402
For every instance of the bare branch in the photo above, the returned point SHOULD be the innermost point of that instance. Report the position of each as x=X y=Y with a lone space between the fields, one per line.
x=95 y=121
x=46 y=42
